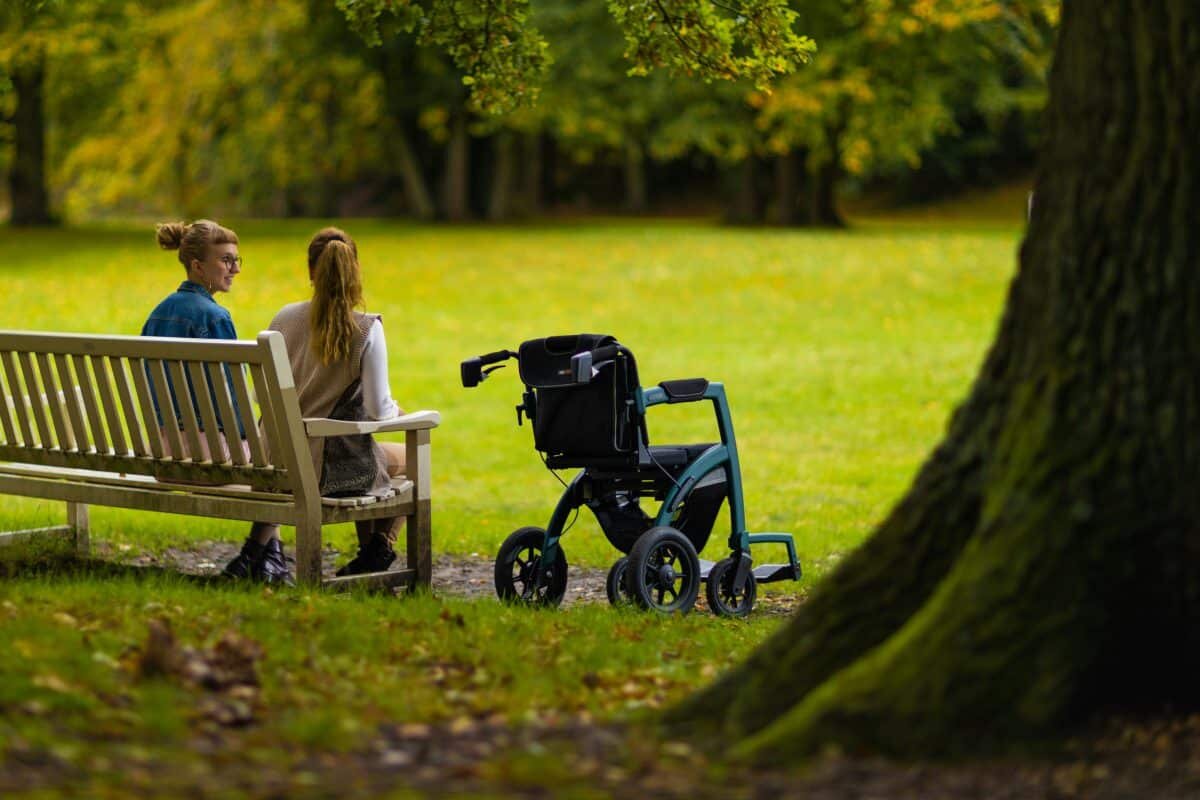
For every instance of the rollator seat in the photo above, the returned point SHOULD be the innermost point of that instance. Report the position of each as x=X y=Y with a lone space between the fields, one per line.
x=677 y=455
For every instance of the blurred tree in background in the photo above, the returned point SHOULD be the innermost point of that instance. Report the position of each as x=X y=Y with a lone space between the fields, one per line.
x=497 y=109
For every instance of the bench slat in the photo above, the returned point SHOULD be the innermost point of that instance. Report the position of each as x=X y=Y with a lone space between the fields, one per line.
x=9 y=397
x=191 y=425
x=102 y=367
x=49 y=397
x=138 y=371
x=166 y=406
x=70 y=400
x=216 y=376
x=33 y=390
x=166 y=470
x=212 y=432
x=143 y=347
x=91 y=404
x=257 y=452
x=267 y=411
x=18 y=399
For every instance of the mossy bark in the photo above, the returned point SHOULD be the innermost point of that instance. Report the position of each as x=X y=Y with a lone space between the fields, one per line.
x=1046 y=561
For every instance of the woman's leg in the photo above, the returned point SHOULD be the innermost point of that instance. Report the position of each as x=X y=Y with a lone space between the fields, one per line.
x=395 y=457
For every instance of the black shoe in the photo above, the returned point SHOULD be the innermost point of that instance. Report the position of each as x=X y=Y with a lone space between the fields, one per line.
x=375 y=556
x=272 y=567
x=245 y=564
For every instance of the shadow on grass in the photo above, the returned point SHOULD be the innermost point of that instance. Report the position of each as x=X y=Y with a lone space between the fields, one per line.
x=44 y=565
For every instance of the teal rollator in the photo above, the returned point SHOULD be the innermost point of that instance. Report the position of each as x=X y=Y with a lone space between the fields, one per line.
x=588 y=412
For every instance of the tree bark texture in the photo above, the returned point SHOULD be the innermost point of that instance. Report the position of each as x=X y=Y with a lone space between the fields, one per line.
x=27 y=175
x=824 y=184
x=636 y=201
x=503 y=177
x=789 y=169
x=456 y=198
x=748 y=206
x=1045 y=563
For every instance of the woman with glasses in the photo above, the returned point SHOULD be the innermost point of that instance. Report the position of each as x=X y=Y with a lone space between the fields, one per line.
x=209 y=255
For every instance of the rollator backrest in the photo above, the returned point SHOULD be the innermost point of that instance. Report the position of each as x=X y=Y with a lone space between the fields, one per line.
x=591 y=420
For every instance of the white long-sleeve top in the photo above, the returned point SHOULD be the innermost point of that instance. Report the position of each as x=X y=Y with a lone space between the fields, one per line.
x=377 y=394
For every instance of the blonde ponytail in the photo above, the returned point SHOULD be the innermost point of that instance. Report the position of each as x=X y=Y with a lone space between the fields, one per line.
x=337 y=290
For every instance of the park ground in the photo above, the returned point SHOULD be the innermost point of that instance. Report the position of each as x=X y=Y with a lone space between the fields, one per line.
x=844 y=354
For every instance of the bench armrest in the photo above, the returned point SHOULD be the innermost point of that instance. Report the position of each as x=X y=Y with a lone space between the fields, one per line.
x=318 y=427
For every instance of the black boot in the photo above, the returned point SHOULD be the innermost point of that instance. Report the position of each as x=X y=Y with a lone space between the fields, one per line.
x=272 y=567
x=375 y=555
x=245 y=564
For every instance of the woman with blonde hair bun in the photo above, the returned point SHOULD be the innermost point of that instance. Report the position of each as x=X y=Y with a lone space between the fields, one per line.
x=210 y=258
x=339 y=362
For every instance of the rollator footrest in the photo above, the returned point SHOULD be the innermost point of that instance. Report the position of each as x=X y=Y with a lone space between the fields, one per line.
x=770 y=573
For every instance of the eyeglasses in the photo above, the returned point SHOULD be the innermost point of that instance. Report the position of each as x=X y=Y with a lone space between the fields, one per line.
x=232 y=261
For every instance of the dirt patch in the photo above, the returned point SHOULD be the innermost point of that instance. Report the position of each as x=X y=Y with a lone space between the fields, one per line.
x=453 y=576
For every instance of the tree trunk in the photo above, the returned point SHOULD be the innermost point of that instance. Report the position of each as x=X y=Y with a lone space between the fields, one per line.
x=500 y=192
x=1045 y=563
x=824 y=186
x=747 y=207
x=532 y=174
x=789 y=169
x=27 y=175
x=416 y=191
x=456 y=201
x=635 y=177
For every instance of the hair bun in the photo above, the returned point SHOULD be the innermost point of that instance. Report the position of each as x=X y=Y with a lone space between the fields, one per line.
x=170 y=234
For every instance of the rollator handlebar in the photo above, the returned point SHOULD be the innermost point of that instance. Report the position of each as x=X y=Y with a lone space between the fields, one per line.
x=472 y=370
x=583 y=363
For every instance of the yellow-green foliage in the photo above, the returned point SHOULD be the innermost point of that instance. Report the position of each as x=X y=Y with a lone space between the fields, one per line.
x=843 y=354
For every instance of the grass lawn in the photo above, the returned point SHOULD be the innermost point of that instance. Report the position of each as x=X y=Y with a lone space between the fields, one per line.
x=843 y=355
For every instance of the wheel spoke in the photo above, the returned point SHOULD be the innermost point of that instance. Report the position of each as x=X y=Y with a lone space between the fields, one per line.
x=661 y=592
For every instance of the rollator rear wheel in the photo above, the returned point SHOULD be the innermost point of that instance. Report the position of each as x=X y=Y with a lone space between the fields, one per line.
x=517 y=567
x=614 y=584
x=722 y=599
x=664 y=571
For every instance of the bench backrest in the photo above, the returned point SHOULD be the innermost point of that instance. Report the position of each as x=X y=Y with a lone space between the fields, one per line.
x=89 y=402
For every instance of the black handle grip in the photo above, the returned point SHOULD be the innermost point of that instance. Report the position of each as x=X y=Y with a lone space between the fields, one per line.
x=471 y=371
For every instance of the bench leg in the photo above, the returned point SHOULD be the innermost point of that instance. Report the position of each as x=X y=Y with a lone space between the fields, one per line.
x=417 y=466
x=308 y=553
x=418 y=546
x=77 y=521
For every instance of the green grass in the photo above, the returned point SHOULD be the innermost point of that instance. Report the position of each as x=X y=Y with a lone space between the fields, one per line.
x=843 y=353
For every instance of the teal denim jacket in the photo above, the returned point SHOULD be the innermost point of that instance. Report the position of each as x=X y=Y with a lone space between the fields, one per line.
x=191 y=312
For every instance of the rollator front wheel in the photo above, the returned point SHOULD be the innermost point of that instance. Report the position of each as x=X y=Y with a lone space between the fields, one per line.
x=614 y=584
x=664 y=571
x=517 y=567
x=722 y=599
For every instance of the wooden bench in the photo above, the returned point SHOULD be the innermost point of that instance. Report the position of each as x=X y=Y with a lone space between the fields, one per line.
x=79 y=425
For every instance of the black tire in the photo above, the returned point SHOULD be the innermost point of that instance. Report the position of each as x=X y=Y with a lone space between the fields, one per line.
x=664 y=571
x=516 y=569
x=723 y=601
x=614 y=584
